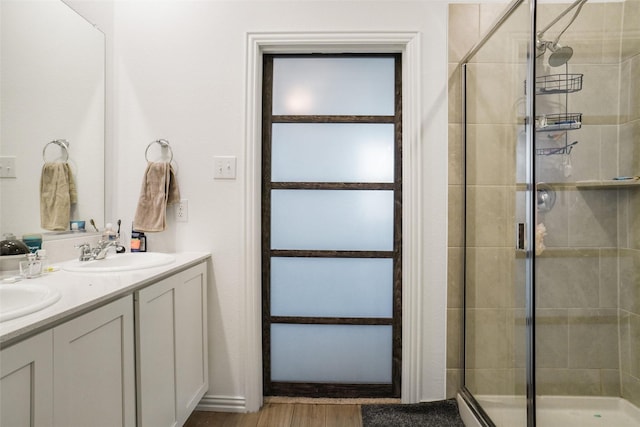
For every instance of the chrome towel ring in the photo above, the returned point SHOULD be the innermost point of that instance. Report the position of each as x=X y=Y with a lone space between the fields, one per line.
x=163 y=143
x=64 y=145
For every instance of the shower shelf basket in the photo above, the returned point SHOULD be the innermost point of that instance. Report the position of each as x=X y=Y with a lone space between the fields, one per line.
x=558 y=83
x=550 y=151
x=558 y=122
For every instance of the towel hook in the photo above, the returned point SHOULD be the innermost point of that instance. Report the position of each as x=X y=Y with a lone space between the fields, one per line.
x=64 y=145
x=163 y=143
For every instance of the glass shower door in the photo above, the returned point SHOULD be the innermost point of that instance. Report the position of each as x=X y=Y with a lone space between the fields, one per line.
x=496 y=221
x=587 y=269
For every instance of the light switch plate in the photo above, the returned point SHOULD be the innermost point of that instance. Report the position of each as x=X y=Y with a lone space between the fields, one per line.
x=7 y=167
x=224 y=167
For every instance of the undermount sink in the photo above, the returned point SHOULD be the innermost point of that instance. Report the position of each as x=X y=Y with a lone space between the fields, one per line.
x=17 y=300
x=120 y=262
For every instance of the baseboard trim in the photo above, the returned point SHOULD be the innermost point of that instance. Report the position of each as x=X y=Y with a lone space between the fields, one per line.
x=222 y=404
x=237 y=404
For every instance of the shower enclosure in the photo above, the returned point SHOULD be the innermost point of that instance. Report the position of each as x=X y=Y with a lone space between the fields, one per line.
x=551 y=129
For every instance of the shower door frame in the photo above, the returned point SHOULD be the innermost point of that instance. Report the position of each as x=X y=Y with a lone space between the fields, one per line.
x=530 y=209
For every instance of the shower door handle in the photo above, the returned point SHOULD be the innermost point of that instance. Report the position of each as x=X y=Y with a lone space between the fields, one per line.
x=520 y=243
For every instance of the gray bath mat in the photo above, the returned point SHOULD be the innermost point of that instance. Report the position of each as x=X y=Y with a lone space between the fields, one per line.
x=443 y=413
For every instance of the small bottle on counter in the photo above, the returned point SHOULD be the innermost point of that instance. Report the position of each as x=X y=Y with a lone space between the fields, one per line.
x=109 y=233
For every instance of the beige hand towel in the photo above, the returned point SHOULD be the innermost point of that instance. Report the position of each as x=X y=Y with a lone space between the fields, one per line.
x=159 y=189
x=57 y=194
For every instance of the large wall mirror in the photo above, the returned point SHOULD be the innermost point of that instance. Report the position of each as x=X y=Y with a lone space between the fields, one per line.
x=52 y=87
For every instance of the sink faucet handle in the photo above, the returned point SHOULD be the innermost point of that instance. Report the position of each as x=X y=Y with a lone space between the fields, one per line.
x=106 y=243
x=85 y=251
x=100 y=252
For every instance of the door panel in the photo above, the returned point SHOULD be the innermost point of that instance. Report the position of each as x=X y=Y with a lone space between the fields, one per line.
x=331 y=353
x=332 y=219
x=333 y=86
x=332 y=152
x=332 y=287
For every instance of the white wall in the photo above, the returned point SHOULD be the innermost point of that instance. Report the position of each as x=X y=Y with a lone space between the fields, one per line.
x=179 y=73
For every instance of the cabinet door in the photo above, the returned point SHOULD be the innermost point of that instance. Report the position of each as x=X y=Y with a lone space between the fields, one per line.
x=26 y=383
x=171 y=331
x=94 y=378
x=192 y=361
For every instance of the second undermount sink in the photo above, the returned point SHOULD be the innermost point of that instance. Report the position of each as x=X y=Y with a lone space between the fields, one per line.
x=120 y=262
x=18 y=300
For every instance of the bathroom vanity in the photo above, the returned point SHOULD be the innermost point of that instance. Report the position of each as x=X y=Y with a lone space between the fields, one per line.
x=124 y=348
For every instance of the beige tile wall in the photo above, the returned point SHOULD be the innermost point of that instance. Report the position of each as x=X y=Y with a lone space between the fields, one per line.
x=467 y=22
x=495 y=325
x=588 y=300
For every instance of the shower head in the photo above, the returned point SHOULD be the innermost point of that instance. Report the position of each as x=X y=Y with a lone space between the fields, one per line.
x=560 y=55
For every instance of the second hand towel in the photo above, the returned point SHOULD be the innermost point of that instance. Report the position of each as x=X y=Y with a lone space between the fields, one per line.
x=159 y=189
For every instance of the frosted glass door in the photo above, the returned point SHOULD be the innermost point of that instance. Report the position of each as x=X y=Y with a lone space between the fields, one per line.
x=331 y=353
x=332 y=219
x=332 y=152
x=304 y=85
x=332 y=287
x=331 y=224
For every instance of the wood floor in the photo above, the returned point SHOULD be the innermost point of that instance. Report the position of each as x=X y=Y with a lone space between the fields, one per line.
x=283 y=415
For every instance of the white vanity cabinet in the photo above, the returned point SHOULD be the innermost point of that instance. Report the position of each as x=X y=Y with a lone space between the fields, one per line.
x=93 y=368
x=79 y=373
x=171 y=347
x=129 y=351
x=26 y=382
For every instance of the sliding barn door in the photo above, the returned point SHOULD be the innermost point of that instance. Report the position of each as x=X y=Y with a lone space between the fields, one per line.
x=332 y=206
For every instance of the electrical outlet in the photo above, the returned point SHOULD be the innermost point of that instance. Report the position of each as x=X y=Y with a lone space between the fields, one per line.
x=7 y=167
x=182 y=211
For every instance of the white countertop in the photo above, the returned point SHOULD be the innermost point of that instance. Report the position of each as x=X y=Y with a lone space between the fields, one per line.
x=82 y=292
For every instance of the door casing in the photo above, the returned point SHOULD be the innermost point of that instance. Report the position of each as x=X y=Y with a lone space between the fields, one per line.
x=424 y=319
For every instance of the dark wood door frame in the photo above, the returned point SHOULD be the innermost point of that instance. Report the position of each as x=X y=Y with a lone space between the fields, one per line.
x=272 y=388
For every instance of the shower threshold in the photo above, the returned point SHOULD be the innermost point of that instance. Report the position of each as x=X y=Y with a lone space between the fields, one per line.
x=557 y=411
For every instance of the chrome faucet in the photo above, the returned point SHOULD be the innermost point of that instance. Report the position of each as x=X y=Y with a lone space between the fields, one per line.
x=100 y=251
x=85 y=252
x=97 y=253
